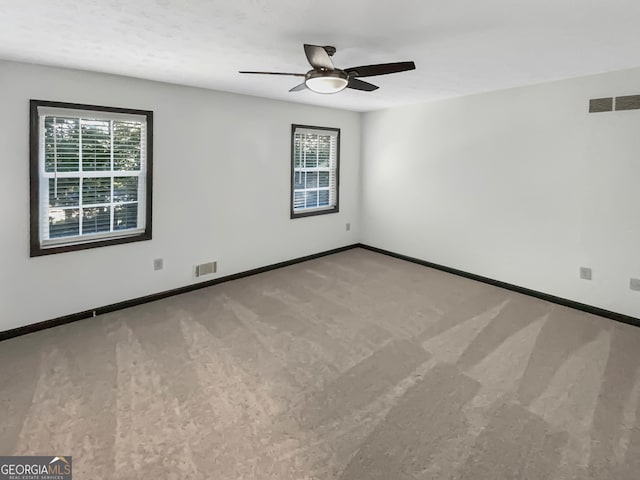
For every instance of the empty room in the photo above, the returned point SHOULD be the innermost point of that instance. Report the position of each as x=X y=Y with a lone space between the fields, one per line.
x=296 y=240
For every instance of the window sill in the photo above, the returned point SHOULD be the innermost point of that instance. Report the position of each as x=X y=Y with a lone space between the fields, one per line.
x=38 y=250
x=313 y=213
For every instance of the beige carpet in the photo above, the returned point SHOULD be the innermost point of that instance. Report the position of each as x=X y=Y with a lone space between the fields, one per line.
x=354 y=366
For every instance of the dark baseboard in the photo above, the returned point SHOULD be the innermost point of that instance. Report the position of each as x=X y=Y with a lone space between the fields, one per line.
x=74 y=317
x=618 y=317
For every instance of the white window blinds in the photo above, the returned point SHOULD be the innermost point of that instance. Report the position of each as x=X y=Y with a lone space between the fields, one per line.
x=315 y=169
x=92 y=175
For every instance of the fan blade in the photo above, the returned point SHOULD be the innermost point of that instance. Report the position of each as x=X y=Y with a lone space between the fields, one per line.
x=360 y=85
x=380 y=69
x=297 y=88
x=275 y=73
x=318 y=57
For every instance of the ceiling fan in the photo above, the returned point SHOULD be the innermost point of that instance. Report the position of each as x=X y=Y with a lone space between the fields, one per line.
x=325 y=78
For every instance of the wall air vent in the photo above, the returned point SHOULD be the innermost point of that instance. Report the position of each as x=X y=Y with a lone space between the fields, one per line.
x=206 y=268
x=600 y=105
x=629 y=102
x=626 y=102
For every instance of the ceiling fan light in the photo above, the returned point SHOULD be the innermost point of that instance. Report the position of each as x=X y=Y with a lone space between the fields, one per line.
x=327 y=82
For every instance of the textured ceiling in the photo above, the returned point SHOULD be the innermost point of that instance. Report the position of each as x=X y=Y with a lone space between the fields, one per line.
x=459 y=46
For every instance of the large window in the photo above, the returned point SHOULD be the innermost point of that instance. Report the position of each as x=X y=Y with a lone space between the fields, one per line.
x=90 y=176
x=315 y=166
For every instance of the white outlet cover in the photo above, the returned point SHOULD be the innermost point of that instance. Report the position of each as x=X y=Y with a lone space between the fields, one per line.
x=585 y=273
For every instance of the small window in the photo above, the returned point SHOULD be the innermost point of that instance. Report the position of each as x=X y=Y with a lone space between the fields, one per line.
x=315 y=167
x=90 y=176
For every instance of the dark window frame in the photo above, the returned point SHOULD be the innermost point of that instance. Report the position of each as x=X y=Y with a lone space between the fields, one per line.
x=324 y=211
x=36 y=248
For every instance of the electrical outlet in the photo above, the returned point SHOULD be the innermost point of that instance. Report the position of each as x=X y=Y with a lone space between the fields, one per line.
x=634 y=284
x=348 y=226
x=158 y=264
x=585 y=273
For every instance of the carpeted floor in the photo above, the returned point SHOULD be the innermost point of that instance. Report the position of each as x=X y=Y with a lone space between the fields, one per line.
x=354 y=366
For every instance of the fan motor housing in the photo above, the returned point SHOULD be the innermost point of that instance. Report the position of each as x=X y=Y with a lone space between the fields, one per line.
x=326 y=81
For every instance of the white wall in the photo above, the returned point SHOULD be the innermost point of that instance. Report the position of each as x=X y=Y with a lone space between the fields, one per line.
x=221 y=192
x=520 y=185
